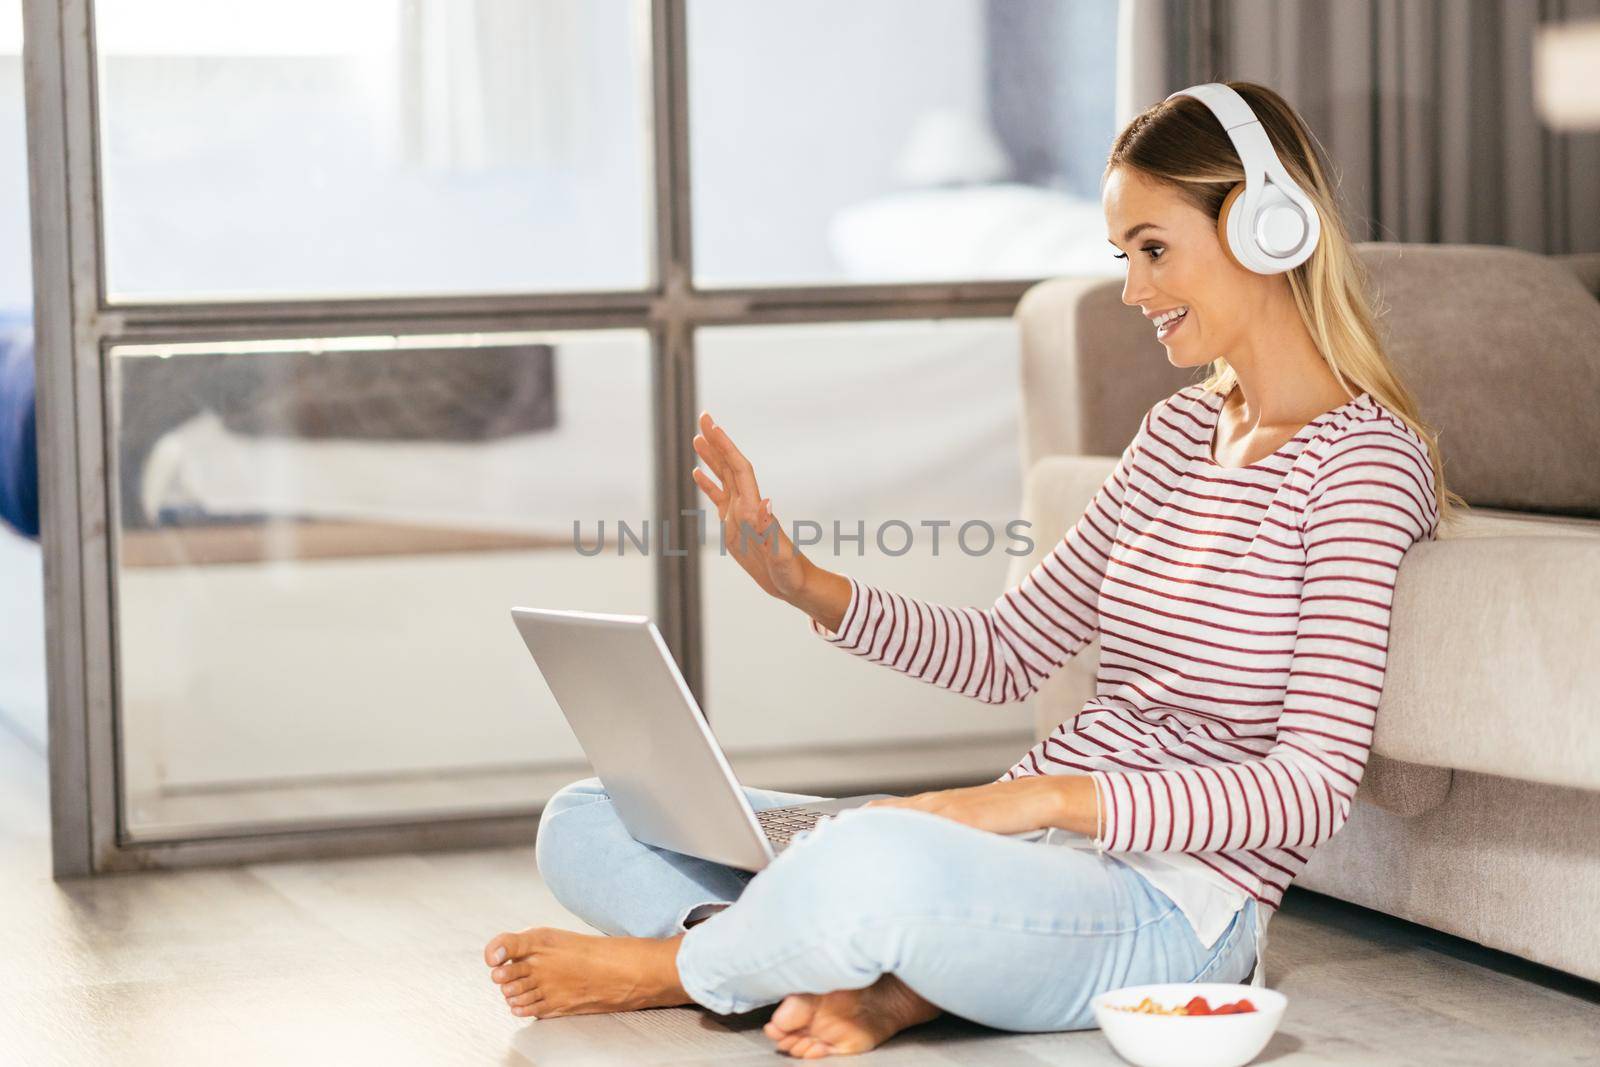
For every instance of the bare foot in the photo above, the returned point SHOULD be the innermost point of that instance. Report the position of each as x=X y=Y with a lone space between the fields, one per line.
x=809 y=1026
x=544 y=972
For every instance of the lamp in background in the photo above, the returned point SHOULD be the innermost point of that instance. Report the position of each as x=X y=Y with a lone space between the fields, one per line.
x=1566 y=58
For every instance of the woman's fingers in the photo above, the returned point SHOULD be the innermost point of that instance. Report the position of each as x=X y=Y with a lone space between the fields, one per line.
x=707 y=453
x=706 y=445
x=710 y=488
x=741 y=499
x=714 y=459
x=724 y=456
x=744 y=475
x=722 y=491
x=708 y=450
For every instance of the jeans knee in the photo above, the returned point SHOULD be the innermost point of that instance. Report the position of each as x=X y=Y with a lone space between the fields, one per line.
x=557 y=842
x=872 y=863
x=572 y=795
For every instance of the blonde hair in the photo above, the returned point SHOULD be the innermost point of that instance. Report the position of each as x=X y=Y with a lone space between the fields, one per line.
x=1180 y=142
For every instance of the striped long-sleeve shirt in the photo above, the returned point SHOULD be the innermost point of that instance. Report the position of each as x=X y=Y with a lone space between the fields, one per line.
x=1243 y=618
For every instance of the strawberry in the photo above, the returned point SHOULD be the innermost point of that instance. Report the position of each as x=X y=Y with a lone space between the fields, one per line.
x=1198 y=1006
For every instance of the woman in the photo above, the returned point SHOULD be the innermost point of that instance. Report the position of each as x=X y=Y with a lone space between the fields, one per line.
x=1238 y=567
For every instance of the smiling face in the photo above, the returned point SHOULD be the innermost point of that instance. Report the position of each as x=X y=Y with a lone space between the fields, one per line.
x=1179 y=275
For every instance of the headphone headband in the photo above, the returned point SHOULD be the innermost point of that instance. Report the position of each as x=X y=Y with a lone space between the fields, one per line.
x=1224 y=102
x=1274 y=227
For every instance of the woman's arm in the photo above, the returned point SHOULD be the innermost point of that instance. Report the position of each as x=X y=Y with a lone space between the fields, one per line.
x=823 y=595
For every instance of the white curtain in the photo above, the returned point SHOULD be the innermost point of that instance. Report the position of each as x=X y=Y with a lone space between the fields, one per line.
x=490 y=83
x=1142 y=44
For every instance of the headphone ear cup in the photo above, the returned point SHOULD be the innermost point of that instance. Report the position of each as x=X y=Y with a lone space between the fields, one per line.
x=1222 y=224
x=1280 y=229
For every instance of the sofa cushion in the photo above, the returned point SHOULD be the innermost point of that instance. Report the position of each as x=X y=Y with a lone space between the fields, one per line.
x=1492 y=640
x=1502 y=350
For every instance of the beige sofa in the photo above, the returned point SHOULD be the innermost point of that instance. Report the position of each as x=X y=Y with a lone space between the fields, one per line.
x=1479 y=813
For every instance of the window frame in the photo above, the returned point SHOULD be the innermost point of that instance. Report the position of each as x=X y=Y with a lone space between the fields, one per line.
x=76 y=326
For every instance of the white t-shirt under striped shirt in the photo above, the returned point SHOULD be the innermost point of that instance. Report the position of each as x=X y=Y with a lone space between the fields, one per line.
x=1243 y=618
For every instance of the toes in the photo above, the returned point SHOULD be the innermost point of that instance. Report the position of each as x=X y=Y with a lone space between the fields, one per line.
x=784 y=1042
x=527 y=1011
x=519 y=987
x=808 y=1048
x=513 y=946
x=795 y=1013
x=498 y=950
x=510 y=972
x=523 y=1000
x=782 y=1037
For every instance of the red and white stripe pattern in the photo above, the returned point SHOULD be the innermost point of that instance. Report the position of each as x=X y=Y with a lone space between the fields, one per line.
x=1243 y=618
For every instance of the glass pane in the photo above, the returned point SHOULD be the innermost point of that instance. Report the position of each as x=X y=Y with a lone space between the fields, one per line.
x=257 y=149
x=320 y=543
x=865 y=425
x=901 y=140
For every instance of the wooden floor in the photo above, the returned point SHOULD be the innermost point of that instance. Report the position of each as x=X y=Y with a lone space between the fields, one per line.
x=377 y=961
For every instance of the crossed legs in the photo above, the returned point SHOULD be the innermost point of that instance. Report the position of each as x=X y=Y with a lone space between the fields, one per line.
x=875 y=920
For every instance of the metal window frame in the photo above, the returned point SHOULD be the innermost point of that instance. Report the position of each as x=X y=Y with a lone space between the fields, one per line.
x=75 y=327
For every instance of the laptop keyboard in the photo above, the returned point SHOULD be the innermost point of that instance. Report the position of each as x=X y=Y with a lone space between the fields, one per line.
x=781 y=824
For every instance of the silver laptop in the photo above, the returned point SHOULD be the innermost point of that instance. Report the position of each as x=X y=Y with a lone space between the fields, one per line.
x=649 y=743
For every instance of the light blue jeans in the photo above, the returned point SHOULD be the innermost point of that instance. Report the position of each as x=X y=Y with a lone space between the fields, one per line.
x=1013 y=934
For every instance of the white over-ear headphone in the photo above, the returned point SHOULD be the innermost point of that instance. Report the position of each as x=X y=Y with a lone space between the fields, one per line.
x=1268 y=223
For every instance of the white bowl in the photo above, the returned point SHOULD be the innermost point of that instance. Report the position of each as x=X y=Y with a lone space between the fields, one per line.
x=1189 y=1040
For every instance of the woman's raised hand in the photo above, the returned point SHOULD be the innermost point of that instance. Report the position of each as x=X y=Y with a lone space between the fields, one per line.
x=752 y=535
